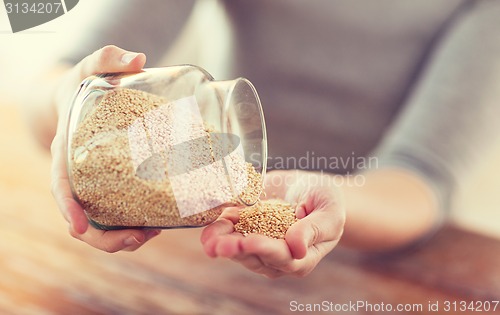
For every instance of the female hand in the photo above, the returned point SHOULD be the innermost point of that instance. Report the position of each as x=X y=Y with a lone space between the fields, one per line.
x=107 y=59
x=321 y=215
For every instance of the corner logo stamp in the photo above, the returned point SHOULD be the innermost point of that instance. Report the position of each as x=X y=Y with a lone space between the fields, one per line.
x=26 y=14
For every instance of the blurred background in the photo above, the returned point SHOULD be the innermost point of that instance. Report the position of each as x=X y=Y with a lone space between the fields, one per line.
x=25 y=54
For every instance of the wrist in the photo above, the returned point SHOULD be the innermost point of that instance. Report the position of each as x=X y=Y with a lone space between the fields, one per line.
x=393 y=208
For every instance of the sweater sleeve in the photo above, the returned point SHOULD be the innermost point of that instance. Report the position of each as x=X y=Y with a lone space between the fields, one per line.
x=144 y=26
x=451 y=116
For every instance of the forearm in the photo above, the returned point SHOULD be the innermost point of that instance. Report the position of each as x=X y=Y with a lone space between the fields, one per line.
x=448 y=121
x=40 y=105
x=391 y=209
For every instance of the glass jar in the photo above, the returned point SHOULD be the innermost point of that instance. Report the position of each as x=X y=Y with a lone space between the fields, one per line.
x=164 y=148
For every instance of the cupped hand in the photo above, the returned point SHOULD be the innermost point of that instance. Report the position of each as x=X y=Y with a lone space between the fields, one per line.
x=106 y=60
x=321 y=215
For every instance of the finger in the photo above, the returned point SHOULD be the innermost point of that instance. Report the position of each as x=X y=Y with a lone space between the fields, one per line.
x=111 y=59
x=61 y=189
x=210 y=235
x=209 y=247
x=300 y=212
x=108 y=59
x=321 y=225
x=254 y=264
x=221 y=226
x=228 y=246
x=249 y=261
x=232 y=214
x=276 y=184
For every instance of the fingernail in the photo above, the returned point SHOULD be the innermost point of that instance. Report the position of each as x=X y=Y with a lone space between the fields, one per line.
x=152 y=233
x=128 y=57
x=300 y=213
x=131 y=240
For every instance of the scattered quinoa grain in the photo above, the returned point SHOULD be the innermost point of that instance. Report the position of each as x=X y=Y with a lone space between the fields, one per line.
x=105 y=179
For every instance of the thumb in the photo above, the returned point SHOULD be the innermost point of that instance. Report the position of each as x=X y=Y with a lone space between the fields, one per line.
x=111 y=59
x=108 y=59
x=321 y=225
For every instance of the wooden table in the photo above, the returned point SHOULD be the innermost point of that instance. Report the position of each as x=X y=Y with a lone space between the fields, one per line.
x=44 y=271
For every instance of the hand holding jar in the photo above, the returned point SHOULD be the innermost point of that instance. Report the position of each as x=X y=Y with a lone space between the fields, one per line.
x=107 y=59
x=163 y=148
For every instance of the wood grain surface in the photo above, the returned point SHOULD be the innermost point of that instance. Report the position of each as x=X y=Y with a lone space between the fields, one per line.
x=44 y=271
